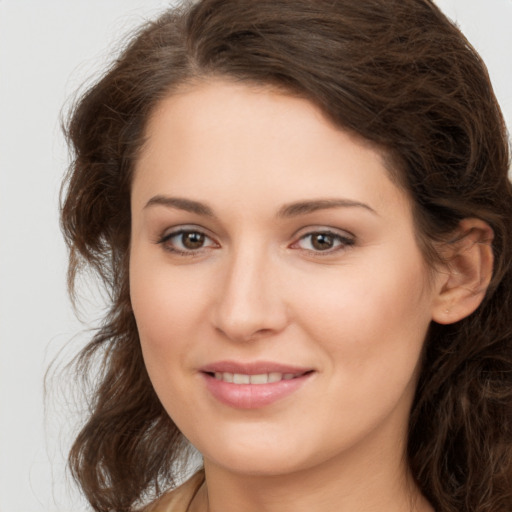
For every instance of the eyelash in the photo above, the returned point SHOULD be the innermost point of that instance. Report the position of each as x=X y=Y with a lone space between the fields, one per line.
x=343 y=242
x=166 y=239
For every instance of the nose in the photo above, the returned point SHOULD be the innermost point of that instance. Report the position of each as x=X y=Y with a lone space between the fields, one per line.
x=249 y=302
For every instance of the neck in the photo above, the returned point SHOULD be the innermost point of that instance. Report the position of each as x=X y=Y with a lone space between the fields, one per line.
x=342 y=484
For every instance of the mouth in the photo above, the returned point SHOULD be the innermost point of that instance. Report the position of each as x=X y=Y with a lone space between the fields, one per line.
x=260 y=378
x=254 y=385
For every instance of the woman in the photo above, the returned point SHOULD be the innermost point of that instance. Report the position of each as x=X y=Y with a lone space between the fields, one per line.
x=302 y=214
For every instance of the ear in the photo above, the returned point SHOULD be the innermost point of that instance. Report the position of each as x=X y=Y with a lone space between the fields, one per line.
x=463 y=279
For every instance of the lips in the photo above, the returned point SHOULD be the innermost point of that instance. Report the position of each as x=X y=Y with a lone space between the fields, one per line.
x=261 y=378
x=253 y=385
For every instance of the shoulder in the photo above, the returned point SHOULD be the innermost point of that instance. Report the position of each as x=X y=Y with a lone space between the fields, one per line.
x=178 y=499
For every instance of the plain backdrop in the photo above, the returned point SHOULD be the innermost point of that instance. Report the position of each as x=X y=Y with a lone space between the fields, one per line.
x=47 y=50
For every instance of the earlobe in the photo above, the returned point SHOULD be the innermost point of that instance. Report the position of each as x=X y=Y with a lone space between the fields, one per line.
x=467 y=272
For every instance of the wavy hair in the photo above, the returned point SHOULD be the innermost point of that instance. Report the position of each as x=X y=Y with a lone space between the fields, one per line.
x=398 y=74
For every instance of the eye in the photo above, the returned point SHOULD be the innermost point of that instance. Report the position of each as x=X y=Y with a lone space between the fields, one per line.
x=186 y=241
x=323 y=241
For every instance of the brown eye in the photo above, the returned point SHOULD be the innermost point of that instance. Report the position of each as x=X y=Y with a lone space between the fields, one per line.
x=322 y=241
x=192 y=240
x=186 y=242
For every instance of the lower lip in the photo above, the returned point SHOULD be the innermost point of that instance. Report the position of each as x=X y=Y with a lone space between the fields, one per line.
x=252 y=396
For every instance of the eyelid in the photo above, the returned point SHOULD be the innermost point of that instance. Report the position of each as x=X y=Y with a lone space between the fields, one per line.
x=346 y=238
x=319 y=228
x=169 y=233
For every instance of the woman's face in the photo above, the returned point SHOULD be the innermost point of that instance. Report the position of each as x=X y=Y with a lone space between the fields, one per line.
x=280 y=295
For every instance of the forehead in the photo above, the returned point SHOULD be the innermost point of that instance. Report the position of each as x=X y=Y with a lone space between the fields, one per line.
x=220 y=138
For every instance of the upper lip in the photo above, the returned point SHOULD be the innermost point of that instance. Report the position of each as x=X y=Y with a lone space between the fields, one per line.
x=253 y=368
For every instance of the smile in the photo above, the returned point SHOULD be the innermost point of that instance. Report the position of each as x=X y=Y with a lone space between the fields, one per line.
x=253 y=385
x=262 y=378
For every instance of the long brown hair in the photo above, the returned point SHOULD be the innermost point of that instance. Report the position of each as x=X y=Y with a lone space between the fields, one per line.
x=396 y=73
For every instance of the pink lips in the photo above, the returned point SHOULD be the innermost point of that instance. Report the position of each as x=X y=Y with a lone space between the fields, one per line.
x=283 y=380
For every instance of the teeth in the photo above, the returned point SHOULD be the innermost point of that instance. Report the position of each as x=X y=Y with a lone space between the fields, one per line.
x=240 y=378
x=262 y=378
x=259 y=379
x=275 y=377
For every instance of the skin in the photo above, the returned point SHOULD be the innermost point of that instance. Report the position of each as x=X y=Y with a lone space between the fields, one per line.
x=259 y=289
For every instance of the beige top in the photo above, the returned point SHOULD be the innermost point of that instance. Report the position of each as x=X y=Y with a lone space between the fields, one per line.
x=180 y=498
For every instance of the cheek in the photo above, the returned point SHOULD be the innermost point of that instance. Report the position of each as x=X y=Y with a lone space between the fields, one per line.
x=162 y=306
x=372 y=322
x=170 y=305
x=164 y=312
x=162 y=295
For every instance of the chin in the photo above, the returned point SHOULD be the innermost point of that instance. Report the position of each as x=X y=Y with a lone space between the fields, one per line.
x=260 y=464
x=256 y=456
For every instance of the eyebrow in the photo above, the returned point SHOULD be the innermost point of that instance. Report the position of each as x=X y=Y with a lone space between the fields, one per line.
x=287 y=211
x=305 y=207
x=181 y=204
